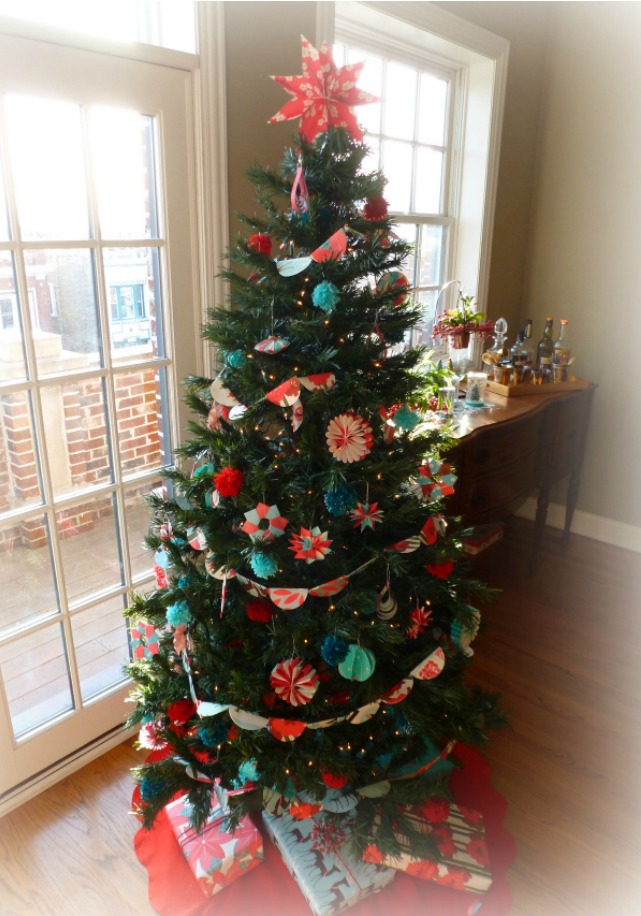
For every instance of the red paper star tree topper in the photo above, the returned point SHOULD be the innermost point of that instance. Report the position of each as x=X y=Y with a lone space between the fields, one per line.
x=323 y=94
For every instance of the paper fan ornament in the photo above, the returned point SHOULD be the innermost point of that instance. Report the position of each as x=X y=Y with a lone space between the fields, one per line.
x=310 y=545
x=367 y=515
x=394 y=280
x=264 y=523
x=323 y=95
x=349 y=438
x=294 y=681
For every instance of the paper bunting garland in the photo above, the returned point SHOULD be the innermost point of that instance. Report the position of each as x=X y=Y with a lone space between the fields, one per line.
x=323 y=95
x=264 y=523
x=294 y=681
x=290 y=729
x=288 y=599
x=349 y=438
x=310 y=545
x=222 y=395
x=292 y=266
x=272 y=345
x=331 y=250
x=287 y=394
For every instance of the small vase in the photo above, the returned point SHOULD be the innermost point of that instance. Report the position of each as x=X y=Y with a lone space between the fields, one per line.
x=460 y=340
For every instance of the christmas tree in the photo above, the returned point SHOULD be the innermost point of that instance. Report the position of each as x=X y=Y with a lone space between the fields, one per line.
x=313 y=609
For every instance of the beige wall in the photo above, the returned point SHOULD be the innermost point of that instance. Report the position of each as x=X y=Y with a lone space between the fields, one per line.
x=566 y=240
x=261 y=40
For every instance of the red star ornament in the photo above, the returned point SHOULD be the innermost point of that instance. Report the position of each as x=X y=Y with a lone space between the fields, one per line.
x=323 y=94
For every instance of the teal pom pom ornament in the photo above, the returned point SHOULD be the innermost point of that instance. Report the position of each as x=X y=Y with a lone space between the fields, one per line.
x=178 y=614
x=406 y=419
x=263 y=564
x=214 y=734
x=340 y=500
x=334 y=650
x=236 y=359
x=152 y=785
x=325 y=296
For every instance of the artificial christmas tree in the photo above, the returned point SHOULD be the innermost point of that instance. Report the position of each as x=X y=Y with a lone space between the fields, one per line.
x=310 y=589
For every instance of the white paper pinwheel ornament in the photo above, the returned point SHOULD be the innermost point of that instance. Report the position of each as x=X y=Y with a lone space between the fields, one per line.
x=294 y=681
x=264 y=523
x=349 y=438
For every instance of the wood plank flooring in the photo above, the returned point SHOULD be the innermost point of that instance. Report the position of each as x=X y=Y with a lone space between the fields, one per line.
x=563 y=648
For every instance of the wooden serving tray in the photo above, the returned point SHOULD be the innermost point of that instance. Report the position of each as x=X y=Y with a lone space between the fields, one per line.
x=515 y=391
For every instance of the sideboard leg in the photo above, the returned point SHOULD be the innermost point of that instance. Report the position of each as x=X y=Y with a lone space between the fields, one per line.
x=539 y=524
x=570 y=505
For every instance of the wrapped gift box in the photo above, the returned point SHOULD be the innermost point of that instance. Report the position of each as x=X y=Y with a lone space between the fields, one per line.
x=460 y=837
x=215 y=856
x=315 y=852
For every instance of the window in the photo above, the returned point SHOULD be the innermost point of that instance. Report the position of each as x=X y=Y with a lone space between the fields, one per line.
x=8 y=312
x=409 y=135
x=127 y=302
x=435 y=135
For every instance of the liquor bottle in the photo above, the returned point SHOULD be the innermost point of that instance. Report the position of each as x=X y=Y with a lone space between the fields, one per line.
x=530 y=356
x=546 y=374
x=562 y=352
x=546 y=344
x=517 y=350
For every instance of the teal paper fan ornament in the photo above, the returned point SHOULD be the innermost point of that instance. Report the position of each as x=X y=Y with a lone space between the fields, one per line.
x=358 y=664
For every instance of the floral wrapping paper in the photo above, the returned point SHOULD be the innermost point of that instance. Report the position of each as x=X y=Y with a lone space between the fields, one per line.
x=315 y=852
x=215 y=856
x=460 y=837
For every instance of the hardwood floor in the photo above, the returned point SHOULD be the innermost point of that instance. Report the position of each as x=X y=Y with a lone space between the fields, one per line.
x=562 y=646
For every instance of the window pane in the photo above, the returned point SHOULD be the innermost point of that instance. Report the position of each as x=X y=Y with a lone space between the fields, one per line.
x=64 y=312
x=429 y=165
x=138 y=517
x=4 y=220
x=433 y=103
x=26 y=574
x=408 y=233
x=423 y=331
x=167 y=24
x=397 y=165
x=19 y=472
x=370 y=80
x=431 y=253
x=400 y=98
x=36 y=676
x=102 y=646
x=12 y=359
x=132 y=276
x=140 y=396
x=123 y=157
x=372 y=162
x=47 y=160
x=89 y=548
x=76 y=434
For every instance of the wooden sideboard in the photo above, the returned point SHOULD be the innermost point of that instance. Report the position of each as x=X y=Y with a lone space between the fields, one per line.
x=518 y=445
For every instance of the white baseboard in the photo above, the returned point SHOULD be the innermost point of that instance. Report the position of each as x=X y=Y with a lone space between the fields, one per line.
x=591 y=526
x=63 y=768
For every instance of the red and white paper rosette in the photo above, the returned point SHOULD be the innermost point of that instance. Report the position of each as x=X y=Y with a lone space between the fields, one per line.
x=310 y=545
x=349 y=438
x=264 y=523
x=294 y=681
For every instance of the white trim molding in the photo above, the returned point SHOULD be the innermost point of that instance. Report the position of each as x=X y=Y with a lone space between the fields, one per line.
x=480 y=60
x=606 y=530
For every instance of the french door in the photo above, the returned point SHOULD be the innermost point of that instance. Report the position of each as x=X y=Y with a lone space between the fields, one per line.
x=98 y=254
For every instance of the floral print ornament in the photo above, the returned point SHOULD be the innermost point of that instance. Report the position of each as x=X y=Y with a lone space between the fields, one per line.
x=294 y=681
x=349 y=438
x=310 y=545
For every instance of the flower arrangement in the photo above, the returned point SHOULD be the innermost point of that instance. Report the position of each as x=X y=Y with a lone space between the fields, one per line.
x=459 y=323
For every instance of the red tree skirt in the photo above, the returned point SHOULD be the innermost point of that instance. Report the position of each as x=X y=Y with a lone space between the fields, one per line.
x=269 y=890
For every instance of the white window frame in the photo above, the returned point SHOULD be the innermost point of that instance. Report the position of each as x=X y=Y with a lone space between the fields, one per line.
x=422 y=31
